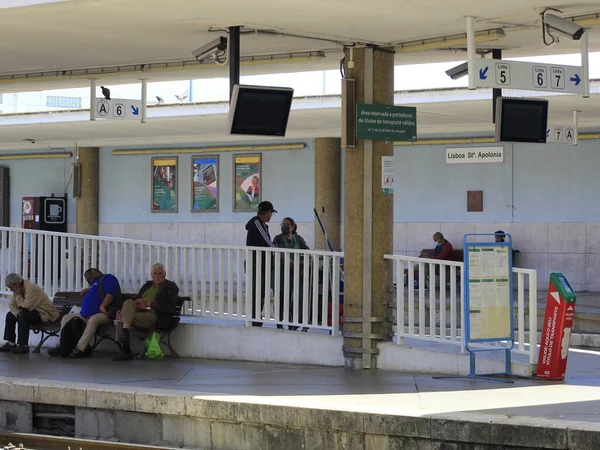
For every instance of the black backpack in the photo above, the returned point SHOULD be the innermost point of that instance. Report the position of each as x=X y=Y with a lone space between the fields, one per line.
x=70 y=335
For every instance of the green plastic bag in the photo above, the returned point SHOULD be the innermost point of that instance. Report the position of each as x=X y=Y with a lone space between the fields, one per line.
x=153 y=350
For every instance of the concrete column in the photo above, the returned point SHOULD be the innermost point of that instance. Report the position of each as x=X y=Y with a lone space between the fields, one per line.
x=328 y=190
x=368 y=219
x=87 y=203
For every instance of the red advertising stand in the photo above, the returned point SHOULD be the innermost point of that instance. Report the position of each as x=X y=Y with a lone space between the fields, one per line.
x=556 y=333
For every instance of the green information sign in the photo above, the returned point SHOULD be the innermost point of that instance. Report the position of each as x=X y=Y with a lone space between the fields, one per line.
x=386 y=123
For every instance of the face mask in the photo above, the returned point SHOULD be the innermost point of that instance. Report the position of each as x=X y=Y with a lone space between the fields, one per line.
x=436 y=243
x=285 y=229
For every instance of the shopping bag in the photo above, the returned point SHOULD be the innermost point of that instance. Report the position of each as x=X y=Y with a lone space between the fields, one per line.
x=153 y=350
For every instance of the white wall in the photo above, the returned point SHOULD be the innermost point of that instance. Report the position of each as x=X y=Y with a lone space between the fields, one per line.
x=38 y=177
x=287 y=181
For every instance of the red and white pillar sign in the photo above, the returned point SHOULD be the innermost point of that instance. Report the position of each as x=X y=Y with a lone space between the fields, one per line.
x=556 y=333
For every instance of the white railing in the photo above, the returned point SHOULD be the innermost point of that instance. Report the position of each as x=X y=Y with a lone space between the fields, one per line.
x=219 y=279
x=522 y=310
x=432 y=276
x=440 y=290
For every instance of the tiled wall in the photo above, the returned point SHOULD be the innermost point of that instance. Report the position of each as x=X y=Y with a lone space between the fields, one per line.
x=571 y=248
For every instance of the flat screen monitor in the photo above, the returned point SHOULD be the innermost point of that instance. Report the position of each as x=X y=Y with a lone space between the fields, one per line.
x=521 y=120
x=259 y=110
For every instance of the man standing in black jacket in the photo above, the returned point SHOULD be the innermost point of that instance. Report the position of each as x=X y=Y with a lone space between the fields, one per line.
x=154 y=308
x=258 y=236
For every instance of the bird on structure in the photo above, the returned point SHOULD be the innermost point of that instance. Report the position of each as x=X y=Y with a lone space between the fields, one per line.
x=160 y=100
x=105 y=92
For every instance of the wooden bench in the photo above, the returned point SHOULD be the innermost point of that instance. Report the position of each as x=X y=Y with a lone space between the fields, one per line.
x=64 y=301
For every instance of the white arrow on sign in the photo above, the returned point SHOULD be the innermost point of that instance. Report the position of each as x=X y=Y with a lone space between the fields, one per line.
x=118 y=108
x=555 y=296
x=563 y=134
x=528 y=76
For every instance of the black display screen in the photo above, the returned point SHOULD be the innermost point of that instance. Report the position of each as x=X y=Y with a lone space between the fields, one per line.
x=259 y=110
x=519 y=120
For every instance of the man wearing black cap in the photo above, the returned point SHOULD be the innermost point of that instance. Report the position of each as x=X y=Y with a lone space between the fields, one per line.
x=258 y=236
x=499 y=236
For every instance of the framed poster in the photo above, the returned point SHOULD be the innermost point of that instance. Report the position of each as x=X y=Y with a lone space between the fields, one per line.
x=164 y=185
x=247 y=176
x=205 y=183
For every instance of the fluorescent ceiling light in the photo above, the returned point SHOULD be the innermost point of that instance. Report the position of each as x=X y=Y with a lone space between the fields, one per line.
x=587 y=20
x=5 y=4
x=456 y=40
x=5 y=157
x=99 y=72
x=231 y=148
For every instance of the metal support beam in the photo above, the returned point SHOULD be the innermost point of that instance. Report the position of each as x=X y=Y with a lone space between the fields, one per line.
x=92 y=99
x=367 y=216
x=496 y=54
x=471 y=50
x=233 y=47
x=144 y=99
x=575 y=126
x=585 y=64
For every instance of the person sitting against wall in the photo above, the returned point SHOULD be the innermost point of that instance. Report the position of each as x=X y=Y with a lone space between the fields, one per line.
x=289 y=238
x=499 y=236
x=442 y=251
x=29 y=305
x=154 y=307
x=443 y=248
x=99 y=305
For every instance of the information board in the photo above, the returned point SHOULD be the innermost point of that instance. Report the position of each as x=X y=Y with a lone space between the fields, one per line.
x=489 y=292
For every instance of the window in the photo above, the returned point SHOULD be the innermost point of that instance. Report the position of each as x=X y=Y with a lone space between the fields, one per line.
x=63 y=102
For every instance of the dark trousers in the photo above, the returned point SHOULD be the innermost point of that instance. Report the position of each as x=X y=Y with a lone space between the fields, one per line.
x=24 y=319
x=290 y=299
x=258 y=281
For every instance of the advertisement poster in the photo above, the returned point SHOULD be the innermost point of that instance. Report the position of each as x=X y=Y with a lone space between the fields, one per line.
x=164 y=185
x=205 y=190
x=248 y=182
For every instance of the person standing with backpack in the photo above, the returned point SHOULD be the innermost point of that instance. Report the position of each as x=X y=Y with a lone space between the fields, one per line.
x=99 y=306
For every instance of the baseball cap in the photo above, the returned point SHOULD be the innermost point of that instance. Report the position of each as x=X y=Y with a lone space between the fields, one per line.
x=499 y=233
x=266 y=207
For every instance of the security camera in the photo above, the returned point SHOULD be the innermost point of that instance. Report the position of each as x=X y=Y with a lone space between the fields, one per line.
x=459 y=71
x=219 y=45
x=563 y=26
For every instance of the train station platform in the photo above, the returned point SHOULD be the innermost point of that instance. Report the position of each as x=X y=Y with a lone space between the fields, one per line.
x=212 y=404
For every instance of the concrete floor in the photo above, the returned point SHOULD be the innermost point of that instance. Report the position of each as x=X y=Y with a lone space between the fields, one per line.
x=576 y=399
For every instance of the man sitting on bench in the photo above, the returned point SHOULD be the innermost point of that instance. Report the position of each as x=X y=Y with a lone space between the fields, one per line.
x=99 y=306
x=443 y=248
x=154 y=308
x=29 y=305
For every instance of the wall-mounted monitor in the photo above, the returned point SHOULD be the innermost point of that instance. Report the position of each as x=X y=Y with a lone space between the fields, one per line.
x=521 y=120
x=259 y=110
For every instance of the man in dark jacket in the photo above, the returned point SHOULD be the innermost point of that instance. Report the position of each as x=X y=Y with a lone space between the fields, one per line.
x=154 y=308
x=258 y=236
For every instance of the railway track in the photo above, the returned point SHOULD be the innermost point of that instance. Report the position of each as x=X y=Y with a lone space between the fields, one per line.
x=24 y=441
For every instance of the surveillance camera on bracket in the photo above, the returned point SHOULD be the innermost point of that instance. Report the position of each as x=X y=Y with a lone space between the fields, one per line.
x=219 y=45
x=563 y=26
x=459 y=71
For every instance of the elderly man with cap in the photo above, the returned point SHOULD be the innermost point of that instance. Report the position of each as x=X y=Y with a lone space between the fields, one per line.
x=258 y=236
x=499 y=236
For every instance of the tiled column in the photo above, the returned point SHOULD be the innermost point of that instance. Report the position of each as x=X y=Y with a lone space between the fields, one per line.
x=328 y=191
x=368 y=277
x=87 y=203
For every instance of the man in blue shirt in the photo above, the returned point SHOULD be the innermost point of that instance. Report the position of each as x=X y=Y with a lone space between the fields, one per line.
x=99 y=306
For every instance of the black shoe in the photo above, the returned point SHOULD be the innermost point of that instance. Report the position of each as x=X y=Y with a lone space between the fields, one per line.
x=124 y=357
x=124 y=338
x=292 y=327
x=20 y=349
x=257 y=324
x=54 y=352
x=279 y=326
x=304 y=330
x=7 y=347
x=76 y=353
